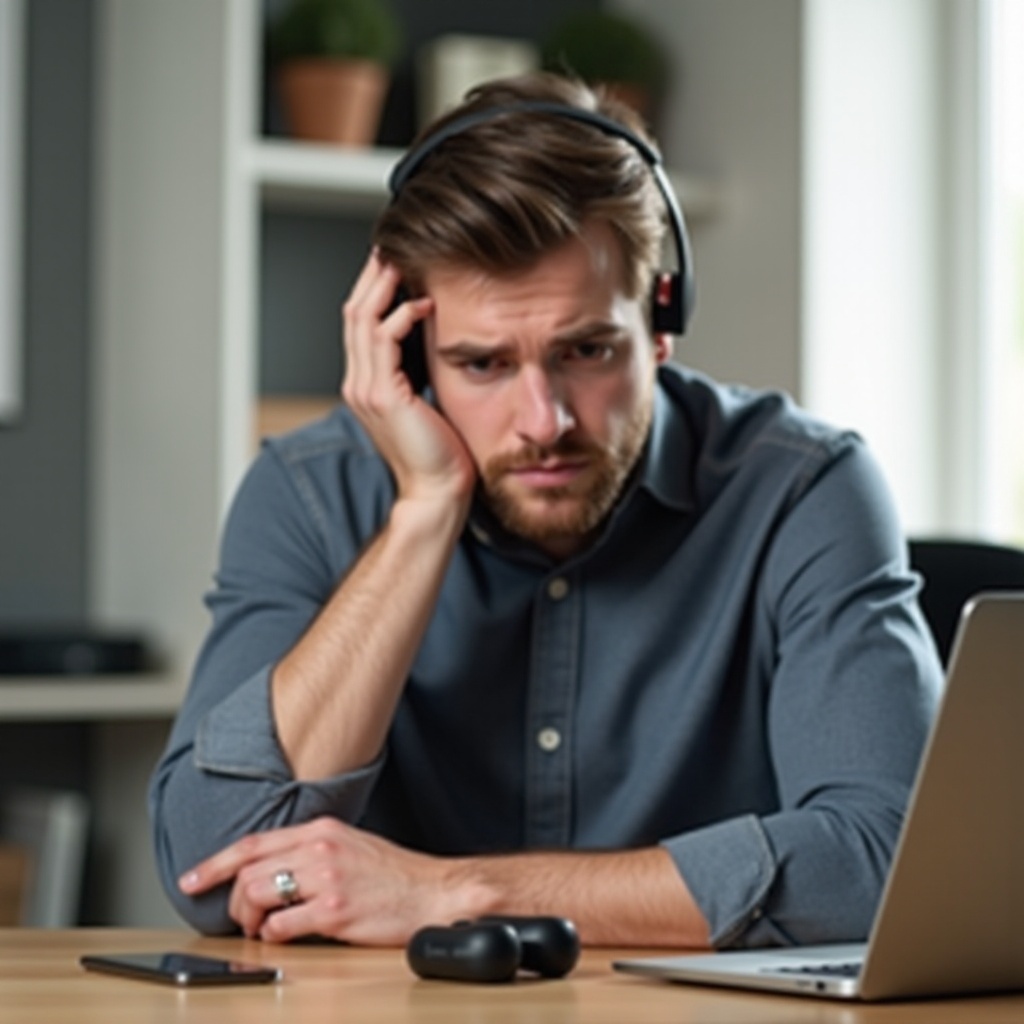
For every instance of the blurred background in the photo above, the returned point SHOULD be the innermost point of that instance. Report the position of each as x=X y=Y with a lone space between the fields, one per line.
x=174 y=251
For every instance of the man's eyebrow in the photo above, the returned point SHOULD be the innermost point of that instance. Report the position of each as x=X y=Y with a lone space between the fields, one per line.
x=472 y=350
x=595 y=329
x=467 y=350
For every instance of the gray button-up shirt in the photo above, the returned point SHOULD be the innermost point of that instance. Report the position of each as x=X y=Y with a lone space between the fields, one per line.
x=736 y=669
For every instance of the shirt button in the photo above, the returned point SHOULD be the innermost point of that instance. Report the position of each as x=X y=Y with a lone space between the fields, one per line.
x=480 y=533
x=558 y=588
x=549 y=740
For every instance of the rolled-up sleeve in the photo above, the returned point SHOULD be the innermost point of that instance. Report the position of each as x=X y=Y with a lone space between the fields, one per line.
x=234 y=780
x=223 y=773
x=853 y=686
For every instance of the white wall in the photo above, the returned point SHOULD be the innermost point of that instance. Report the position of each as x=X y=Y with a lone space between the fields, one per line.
x=827 y=271
x=734 y=114
x=872 y=263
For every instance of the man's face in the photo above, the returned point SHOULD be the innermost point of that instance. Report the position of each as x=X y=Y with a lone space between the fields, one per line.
x=548 y=377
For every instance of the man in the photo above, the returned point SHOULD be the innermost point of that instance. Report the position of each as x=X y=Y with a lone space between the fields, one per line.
x=574 y=632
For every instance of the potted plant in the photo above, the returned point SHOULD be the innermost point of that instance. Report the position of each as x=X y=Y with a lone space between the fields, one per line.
x=332 y=62
x=613 y=50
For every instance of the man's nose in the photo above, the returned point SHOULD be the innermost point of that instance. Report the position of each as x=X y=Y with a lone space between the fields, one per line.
x=542 y=414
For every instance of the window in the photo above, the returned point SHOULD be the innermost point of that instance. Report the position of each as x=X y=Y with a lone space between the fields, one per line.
x=1002 y=236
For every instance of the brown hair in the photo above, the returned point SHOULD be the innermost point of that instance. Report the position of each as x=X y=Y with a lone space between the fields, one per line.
x=501 y=194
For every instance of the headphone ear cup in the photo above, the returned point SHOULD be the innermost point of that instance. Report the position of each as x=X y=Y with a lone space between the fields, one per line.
x=668 y=304
x=414 y=358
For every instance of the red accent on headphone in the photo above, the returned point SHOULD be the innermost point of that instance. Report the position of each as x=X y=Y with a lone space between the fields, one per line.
x=663 y=292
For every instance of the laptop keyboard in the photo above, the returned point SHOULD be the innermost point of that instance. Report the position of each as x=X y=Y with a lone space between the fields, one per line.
x=849 y=969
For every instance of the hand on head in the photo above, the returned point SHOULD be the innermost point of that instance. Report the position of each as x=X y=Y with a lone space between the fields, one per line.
x=426 y=455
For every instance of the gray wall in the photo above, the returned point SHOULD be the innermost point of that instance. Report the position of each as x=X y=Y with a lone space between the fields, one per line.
x=43 y=459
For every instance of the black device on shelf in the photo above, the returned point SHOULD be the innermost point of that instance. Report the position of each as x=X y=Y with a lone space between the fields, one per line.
x=71 y=653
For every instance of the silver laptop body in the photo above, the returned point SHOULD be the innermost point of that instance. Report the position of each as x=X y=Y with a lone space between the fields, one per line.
x=950 y=918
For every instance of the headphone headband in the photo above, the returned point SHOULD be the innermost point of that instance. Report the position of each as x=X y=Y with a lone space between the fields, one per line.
x=674 y=293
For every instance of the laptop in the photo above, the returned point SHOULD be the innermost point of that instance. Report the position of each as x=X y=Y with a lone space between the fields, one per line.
x=950 y=918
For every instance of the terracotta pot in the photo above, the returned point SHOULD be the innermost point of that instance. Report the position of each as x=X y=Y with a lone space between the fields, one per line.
x=332 y=100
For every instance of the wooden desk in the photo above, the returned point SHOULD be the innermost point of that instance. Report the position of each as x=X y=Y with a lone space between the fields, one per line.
x=41 y=983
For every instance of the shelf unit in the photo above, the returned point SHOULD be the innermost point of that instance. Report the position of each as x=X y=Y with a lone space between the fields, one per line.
x=182 y=180
x=184 y=177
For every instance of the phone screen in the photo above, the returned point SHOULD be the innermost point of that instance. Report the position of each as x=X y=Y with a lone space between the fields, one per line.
x=182 y=969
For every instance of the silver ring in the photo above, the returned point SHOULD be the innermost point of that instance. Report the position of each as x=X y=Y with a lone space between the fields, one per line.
x=286 y=886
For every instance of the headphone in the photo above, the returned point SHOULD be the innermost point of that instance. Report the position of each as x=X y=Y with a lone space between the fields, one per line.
x=673 y=292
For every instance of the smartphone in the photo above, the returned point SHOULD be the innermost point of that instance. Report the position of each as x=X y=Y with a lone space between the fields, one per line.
x=182 y=969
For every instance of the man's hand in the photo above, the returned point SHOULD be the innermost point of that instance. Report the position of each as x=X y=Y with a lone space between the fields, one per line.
x=355 y=886
x=352 y=885
x=423 y=450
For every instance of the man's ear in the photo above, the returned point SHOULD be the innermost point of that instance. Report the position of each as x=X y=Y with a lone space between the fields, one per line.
x=664 y=345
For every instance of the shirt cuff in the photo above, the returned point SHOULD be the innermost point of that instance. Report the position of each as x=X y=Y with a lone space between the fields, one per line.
x=238 y=738
x=729 y=868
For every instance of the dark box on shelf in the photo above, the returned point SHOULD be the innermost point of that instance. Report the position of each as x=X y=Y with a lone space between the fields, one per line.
x=71 y=654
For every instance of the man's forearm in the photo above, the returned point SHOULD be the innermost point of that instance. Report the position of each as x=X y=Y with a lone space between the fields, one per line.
x=628 y=898
x=335 y=693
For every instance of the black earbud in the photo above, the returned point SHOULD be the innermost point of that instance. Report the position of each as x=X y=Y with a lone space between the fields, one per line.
x=495 y=948
x=550 y=945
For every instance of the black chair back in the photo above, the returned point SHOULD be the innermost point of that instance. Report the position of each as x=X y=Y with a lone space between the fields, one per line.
x=954 y=571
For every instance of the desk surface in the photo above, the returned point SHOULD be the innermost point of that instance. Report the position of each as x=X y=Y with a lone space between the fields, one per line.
x=40 y=981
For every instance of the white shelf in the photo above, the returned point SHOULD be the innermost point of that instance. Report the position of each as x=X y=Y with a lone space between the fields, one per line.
x=323 y=178
x=92 y=698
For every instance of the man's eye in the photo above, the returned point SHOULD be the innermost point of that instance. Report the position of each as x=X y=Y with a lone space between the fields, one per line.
x=589 y=352
x=482 y=366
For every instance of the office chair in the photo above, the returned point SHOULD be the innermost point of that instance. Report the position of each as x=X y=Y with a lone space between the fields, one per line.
x=954 y=571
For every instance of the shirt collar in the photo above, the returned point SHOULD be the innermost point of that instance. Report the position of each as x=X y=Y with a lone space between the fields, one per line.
x=667 y=468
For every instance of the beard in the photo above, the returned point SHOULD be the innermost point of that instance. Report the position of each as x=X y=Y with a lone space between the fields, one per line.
x=561 y=519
